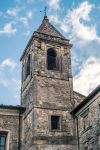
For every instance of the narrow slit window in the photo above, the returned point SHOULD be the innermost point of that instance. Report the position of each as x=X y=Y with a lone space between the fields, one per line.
x=55 y=122
x=28 y=66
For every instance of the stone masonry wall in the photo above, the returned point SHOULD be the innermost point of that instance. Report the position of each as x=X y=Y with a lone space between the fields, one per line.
x=53 y=93
x=37 y=131
x=9 y=122
x=78 y=98
x=28 y=131
x=91 y=136
x=45 y=93
x=53 y=85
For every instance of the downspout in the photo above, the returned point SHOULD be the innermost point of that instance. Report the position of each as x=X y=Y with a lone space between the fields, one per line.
x=19 y=134
x=78 y=142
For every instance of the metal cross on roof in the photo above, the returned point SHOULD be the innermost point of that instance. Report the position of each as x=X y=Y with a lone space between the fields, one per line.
x=45 y=11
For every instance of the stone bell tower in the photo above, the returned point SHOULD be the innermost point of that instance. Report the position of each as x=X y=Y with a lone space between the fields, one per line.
x=47 y=91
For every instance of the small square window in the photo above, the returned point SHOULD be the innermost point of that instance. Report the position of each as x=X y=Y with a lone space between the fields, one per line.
x=55 y=122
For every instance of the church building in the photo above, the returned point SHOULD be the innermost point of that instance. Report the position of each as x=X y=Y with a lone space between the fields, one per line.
x=52 y=116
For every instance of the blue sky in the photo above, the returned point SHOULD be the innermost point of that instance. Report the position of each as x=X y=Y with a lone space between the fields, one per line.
x=78 y=20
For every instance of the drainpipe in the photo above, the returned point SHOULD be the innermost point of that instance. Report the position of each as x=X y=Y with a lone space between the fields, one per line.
x=19 y=134
x=78 y=143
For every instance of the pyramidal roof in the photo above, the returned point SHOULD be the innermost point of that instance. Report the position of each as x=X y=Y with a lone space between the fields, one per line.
x=47 y=28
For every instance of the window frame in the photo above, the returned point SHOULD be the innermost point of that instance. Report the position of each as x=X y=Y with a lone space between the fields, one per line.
x=3 y=145
x=6 y=133
x=86 y=123
x=85 y=117
x=56 y=66
x=60 y=122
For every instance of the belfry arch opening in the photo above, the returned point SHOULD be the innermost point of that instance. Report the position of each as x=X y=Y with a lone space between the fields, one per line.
x=52 y=63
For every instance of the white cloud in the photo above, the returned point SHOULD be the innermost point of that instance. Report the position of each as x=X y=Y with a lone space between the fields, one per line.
x=8 y=63
x=4 y=82
x=77 y=59
x=8 y=29
x=76 y=23
x=54 y=19
x=17 y=17
x=12 y=12
x=64 y=27
x=6 y=66
x=29 y=14
x=17 y=85
x=18 y=1
x=54 y=4
x=24 y=20
x=27 y=33
x=30 y=1
x=13 y=86
x=17 y=82
x=1 y=13
x=88 y=77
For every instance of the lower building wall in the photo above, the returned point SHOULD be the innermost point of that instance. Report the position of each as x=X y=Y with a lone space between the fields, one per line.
x=37 y=130
x=9 y=127
x=89 y=127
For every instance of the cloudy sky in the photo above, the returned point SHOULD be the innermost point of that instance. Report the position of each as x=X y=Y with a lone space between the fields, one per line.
x=78 y=20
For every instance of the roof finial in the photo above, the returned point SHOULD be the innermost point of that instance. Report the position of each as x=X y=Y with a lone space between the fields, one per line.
x=45 y=11
x=45 y=14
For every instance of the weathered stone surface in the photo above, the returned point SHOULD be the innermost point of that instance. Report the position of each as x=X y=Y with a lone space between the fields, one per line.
x=9 y=123
x=78 y=98
x=53 y=93
x=48 y=92
x=90 y=136
x=52 y=147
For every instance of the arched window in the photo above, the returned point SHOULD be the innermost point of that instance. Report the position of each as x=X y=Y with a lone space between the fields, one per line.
x=28 y=66
x=52 y=59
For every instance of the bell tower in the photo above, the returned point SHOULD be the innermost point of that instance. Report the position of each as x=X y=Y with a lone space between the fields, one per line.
x=47 y=91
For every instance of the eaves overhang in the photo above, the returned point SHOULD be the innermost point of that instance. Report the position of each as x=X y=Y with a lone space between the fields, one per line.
x=18 y=107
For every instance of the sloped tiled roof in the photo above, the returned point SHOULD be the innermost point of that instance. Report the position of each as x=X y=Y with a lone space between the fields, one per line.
x=47 y=28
